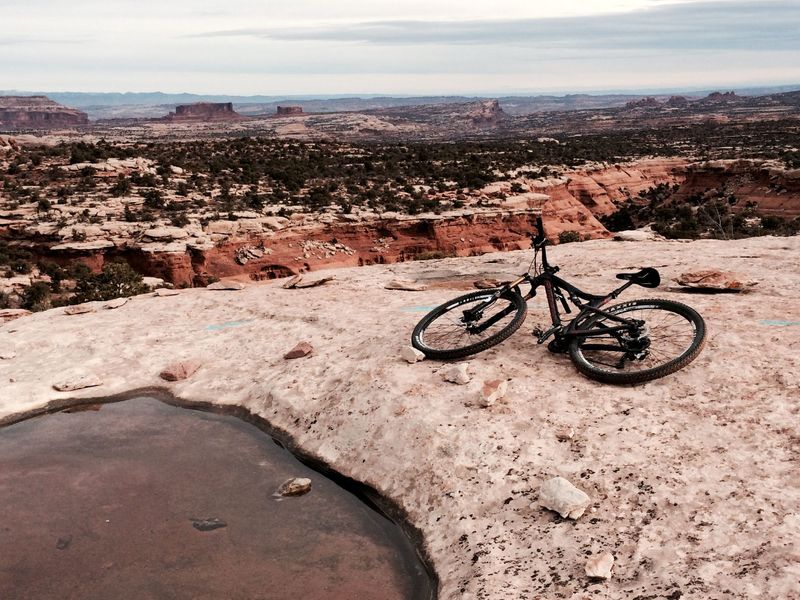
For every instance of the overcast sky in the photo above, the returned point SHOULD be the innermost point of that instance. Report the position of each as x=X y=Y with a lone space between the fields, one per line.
x=411 y=47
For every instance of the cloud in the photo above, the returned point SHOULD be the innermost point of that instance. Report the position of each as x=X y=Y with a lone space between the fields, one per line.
x=773 y=24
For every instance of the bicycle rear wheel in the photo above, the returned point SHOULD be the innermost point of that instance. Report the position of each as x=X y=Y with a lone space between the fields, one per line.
x=469 y=324
x=672 y=336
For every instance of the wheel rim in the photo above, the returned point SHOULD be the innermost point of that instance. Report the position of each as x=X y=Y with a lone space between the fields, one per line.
x=670 y=334
x=448 y=331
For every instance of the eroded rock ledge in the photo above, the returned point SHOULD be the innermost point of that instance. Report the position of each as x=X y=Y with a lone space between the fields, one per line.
x=691 y=478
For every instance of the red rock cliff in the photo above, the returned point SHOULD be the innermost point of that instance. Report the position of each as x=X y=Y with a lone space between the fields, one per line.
x=37 y=112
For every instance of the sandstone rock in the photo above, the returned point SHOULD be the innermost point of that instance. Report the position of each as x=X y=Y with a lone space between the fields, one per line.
x=162 y=292
x=299 y=351
x=599 y=567
x=84 y=246
x=486 y=284
x=297 y=486
x=9 y=314
x=638 y=235
x=308 y=283
x=115 y=303
x=712 y=280
x=491 y=391
x=405 y=285
x=176 y=170
x=411 y=354
x=292 y=282
x=226 y=285
x=564 y=434
x=222 y=227
x=180 y=370
x=457 y=374
x=7 y=354
x=78 y=382
x=560 y=495
x=78 y=309
x=166 y=233
x=152 y=282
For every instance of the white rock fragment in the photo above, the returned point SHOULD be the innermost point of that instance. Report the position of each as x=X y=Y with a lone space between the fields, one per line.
x=78 y=382
x=560 y=495
x=297 y=486
x=457 y=374
x=115 y=303
x=599 y=567
x=491 y=391
x=7 y=354
x=406 y=285
x=162 y=292
x=411 y=354
x=226 y=285
x=78 y=309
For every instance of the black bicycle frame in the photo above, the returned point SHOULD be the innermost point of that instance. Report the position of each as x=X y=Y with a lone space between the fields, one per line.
x=554 y=287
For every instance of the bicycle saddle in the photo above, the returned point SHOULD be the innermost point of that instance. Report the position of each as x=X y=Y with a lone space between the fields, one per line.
x=647 y=277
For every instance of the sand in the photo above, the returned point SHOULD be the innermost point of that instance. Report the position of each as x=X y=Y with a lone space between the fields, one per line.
x=693 y=478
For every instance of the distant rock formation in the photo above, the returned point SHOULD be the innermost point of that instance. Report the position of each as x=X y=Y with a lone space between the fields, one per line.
x=487 y=112
x=288 y=111
x=37 y=112
x=648 y=102
x=718 y=96
x=204 y=111
x=677 y=101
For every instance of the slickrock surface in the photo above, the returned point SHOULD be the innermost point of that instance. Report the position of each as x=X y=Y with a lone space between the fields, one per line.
x=692 y=478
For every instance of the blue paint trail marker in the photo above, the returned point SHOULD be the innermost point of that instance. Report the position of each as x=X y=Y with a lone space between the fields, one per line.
x=228 y=325
x=777 y=323
x=417 y=308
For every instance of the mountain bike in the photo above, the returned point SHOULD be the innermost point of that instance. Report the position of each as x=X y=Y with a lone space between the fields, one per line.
x=631 y=342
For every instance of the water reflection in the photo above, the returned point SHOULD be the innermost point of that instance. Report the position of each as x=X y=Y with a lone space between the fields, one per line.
x=105 y=504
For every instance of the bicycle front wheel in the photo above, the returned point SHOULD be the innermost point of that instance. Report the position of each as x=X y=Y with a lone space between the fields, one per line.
x=469 y=324
x=671 y=337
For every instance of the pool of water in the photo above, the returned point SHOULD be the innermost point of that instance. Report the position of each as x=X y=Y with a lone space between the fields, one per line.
x=141 y=499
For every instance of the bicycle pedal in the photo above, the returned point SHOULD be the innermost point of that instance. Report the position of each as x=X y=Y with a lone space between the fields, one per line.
x=537 y=332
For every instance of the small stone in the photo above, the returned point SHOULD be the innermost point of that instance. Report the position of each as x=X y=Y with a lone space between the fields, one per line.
x=457 y=374
x=312 y=282
x=712 y=280
x=486 y=284
x=163 y=292
x=560 y=495
x=78 y=382
x=115 y=303
x=7 y=354
x=299 y=351
x=292 y=282
x=599 y=567
x=297 y=486
x=564 y=434
x=208 y=524
x=78 y=309
x=180 y=370
x=491 y=391
x=411 y=354
x=405 y=285
x=226 y=285
x=63 y=542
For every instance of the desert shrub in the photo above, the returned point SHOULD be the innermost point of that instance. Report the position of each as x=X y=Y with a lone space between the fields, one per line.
x=430 y=255
x=36 y=297
x=566 y=237
x=116 y=280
